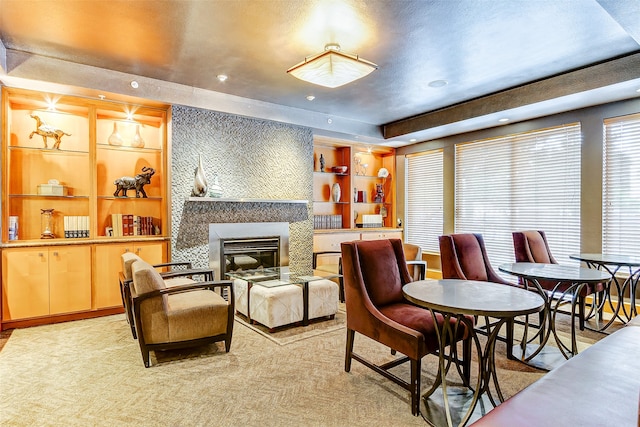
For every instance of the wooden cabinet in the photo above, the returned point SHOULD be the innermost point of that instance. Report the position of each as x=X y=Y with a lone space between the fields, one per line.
x=45 y=281
x=106 y=287
x=64 y=154
x=365 y=188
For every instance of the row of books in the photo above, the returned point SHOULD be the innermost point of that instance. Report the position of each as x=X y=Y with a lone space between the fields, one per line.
x=76 y=227
x=130 y=225
x=321 y=222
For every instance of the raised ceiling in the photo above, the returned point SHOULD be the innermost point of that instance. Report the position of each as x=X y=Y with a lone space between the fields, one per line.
x=527 y=57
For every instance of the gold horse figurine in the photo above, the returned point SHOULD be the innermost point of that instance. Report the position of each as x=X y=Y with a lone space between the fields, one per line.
x=47 y=131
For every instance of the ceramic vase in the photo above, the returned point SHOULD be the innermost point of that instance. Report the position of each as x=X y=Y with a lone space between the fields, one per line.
x=199 y=182
x=137 y=142
x=336 y=192
x=115 y=138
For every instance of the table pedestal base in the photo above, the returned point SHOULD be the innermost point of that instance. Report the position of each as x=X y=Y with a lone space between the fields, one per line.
x=460 y=399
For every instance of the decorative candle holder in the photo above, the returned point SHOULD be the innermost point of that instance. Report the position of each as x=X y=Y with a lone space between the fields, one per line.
x=46 y=222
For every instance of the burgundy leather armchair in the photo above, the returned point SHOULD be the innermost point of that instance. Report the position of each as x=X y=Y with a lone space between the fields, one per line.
x=532 y=246
x=374 y=273
x=463 y=256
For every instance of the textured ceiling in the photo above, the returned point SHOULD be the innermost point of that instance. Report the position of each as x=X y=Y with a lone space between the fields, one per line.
x=478 y=47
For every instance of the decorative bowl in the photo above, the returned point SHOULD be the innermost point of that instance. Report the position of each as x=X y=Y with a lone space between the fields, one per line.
x=340 y=169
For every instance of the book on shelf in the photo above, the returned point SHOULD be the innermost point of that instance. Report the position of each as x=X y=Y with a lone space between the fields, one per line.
x=130 y=225
x=321 y=222
x=76 y=226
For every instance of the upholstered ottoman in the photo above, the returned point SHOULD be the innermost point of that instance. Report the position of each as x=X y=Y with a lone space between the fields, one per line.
x=276 y=306
x=323 y=298
x=240 y=291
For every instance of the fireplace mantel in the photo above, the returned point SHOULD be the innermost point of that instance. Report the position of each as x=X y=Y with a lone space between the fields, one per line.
x=242 y=200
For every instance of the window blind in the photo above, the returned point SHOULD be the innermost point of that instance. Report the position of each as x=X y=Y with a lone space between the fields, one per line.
x=621 y=186
x=424 y=199
x=527 y=181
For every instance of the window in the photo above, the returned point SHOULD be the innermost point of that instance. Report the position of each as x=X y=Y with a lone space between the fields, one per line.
x=528 y=181
x=621 y=186
x=424 y=200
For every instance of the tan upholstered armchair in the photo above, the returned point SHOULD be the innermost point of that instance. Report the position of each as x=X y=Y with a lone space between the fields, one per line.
x=185 y=315
x=417 y=266
x=173 y=273
x=374 y=273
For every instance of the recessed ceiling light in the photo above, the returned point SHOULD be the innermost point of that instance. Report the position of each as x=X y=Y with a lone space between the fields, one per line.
x=503 y=120
x=329 y=121
x=637 y=90
x=412 y=140
x=222 y=77
x=310 y=98
x=134 y=84
x=438 y=83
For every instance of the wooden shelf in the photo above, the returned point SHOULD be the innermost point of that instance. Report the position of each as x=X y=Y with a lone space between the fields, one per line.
x=362 y=175
x=87 y=166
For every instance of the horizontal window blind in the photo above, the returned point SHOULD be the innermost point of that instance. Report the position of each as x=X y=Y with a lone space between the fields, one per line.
x=528 y=181
x=621 y=186
x=423 y=207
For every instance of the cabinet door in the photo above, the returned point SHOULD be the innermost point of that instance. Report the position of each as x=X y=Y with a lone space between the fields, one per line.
x=374 y=235
x=152 y=252
x=107 y=266
x=25 y=283
x=69 y=279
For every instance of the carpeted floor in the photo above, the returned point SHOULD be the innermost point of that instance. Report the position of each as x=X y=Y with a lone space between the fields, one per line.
x=90 y=373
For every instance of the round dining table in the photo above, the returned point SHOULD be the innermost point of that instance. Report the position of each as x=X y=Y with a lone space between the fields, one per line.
x=612 y=264
x=458 y=302
x=569 y=281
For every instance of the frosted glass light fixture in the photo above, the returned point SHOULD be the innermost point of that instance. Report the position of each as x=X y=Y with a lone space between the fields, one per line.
x=332 y=68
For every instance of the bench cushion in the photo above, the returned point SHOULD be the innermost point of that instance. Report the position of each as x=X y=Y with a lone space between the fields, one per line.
x=598 y=387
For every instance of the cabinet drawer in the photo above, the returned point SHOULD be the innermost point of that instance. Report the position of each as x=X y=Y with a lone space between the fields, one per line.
x=375 y=235
x=331 y=241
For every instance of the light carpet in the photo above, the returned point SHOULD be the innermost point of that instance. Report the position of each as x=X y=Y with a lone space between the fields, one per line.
x=90 y=373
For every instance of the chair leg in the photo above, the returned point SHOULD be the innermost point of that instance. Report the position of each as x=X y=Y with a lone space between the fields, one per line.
x=146 y=356
x=581 y=303
x=227 y=343
x=466 y=360
x=416 y=371
x=349 y=349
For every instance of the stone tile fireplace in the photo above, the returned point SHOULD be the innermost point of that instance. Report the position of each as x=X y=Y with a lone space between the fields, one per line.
x=269 y=164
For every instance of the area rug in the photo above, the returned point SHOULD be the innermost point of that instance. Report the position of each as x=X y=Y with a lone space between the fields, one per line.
x=286 y=335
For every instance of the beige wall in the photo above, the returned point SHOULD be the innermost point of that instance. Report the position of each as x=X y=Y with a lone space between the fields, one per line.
x=591 y=120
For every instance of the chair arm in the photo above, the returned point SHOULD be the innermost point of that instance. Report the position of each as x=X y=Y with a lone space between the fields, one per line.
x=210 y=285
x=186 y=264
x=315 y=256
x=422 y=265
x=207 y=272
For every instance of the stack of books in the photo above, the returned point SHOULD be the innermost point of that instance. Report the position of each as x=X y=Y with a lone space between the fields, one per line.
x=327 y=221
x=130 y=225
x=76 y=227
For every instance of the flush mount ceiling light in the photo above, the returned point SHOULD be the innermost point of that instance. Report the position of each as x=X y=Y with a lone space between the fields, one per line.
x=332 y=68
